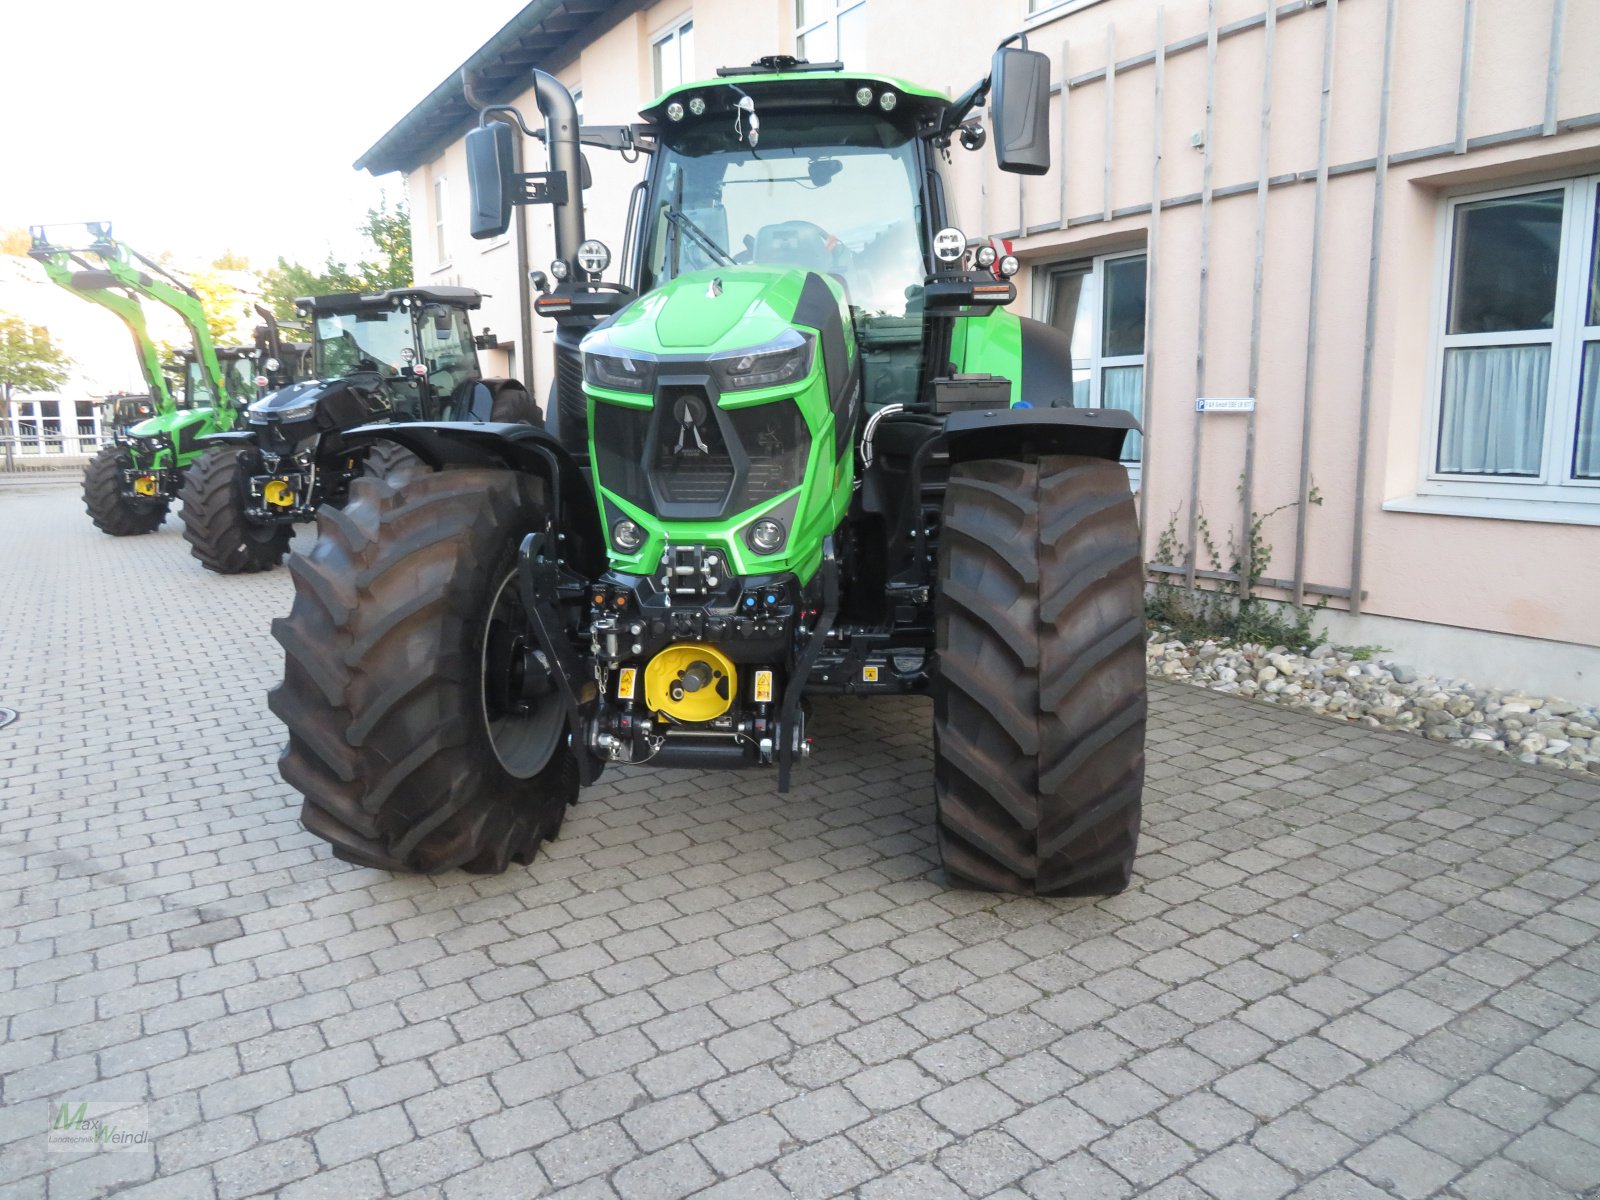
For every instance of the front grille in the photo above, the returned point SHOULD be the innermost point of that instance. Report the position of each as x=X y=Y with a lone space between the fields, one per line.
x=683 y=458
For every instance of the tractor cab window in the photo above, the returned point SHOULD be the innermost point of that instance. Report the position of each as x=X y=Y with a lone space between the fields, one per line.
x=239 y=376
x=350 y=343
x=197 y=389
x=447 y=349
x=840 y=198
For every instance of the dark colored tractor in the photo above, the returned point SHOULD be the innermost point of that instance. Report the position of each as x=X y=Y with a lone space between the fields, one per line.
x=402 y=355
x=803 y=451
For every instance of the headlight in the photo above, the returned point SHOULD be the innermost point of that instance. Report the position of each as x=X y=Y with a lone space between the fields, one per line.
x=763 y=367
x=674 y=111
x=271 y=365
x=261 y=410
x=627 y=536
x=593 y=256
x=697 y=106
x=559 y=269
x=619 y=372
x=1009 y=265
x=765 y=536
x=986 y=256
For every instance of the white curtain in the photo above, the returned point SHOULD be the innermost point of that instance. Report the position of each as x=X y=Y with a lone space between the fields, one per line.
x=1493 y=415
x=1586 y=460
x=1123 y=387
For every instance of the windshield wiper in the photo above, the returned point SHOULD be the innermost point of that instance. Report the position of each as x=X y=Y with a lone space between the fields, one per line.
x=700 y=237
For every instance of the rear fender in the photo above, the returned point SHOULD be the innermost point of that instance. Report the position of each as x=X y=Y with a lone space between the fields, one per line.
x=1029 y=432
x=528 y=449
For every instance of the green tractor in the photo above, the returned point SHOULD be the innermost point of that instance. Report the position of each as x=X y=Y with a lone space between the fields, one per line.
x=406 y=354
x=819 y=458
x=129 y=485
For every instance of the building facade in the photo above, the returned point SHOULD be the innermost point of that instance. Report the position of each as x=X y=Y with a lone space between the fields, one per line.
x=1365 y=232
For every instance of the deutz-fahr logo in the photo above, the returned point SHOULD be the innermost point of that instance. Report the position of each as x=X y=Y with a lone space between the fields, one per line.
x=97 y=1125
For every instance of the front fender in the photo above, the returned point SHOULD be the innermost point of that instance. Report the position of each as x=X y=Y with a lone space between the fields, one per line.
x=529 y=449
x=1019 y=432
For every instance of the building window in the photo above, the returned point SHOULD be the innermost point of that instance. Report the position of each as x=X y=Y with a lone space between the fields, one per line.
x=673 y=56
x=441 y=238
x=1099 y=304
x=1057 y=8
x=1516 y=410
x=831 y=31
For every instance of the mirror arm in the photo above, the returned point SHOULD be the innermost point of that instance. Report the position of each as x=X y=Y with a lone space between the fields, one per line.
x=484 y=109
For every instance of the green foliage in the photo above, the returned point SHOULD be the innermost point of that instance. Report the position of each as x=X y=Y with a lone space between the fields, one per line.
x=1227 y=609
x=388 y=265
x=29 y=360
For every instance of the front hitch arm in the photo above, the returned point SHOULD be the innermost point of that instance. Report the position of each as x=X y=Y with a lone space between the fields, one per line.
x=538 y=581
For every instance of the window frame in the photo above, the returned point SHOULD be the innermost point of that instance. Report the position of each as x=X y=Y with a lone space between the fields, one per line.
x=837 y=9
x=672 y=32
x=1036 y=12
x=441 y=232
x=1555 y=483
x=1044 y=283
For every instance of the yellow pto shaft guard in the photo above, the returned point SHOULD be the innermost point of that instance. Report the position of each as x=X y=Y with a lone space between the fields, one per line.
x=690 y=682
x=278 y=494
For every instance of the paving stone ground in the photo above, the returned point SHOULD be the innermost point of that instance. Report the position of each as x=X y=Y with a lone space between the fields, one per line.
x=1352 y=964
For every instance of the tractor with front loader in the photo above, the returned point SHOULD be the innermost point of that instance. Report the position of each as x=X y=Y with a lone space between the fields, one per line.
x=406 y=354
x=801 y=450
x=129 y=485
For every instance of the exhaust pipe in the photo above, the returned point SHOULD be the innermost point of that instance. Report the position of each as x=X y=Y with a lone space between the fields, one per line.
x=561 y=139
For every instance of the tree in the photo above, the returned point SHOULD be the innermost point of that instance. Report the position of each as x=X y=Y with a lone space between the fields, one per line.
x=227 y=312
x=387 y=265
x=15 y=242
x=389 y=232
x=229 y=261
x=29 y=362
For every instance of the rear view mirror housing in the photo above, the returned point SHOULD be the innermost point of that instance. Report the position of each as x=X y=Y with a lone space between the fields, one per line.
x=1019 y=82
x=491 y=178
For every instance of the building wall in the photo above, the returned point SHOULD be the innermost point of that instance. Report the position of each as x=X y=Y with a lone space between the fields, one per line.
x=1517 y=572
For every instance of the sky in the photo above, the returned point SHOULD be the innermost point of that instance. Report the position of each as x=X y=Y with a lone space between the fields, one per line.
x=224 y=125
x=203 y=127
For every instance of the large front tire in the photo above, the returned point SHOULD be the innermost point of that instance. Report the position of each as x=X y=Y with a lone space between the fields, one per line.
x=406 y=760
x=214 y=523
x=110 y=510
x=1039 y=681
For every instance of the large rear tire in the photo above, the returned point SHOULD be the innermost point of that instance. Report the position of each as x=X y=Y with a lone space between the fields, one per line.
x=108 y=508
x=1039 y=680
x=214 y=524
x=406 y=760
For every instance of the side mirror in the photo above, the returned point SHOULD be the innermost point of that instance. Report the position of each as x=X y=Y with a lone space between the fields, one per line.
x=1019 y=89
x=491 y=178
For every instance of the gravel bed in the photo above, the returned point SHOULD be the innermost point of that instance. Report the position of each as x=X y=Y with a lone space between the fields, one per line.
x=1380 y=693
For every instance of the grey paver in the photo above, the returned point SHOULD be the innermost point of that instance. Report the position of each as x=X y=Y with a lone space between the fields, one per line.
x=1351 y=964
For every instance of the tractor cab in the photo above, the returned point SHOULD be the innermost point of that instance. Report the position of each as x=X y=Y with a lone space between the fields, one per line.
x=412 y=348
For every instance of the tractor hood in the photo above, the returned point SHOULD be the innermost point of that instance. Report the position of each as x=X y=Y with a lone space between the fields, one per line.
x=719 y=311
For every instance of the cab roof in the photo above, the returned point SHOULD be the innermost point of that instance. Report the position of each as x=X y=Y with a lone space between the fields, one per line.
x=779 y=83
x=349 y=302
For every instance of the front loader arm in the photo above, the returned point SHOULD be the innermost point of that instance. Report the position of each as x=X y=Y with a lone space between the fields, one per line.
x=123 y=263
x=99 y=288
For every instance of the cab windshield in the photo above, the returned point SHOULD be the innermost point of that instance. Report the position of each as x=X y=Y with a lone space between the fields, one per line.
x=843 y=199
x=349 y=343
x=239 y=375
x=197 y=389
